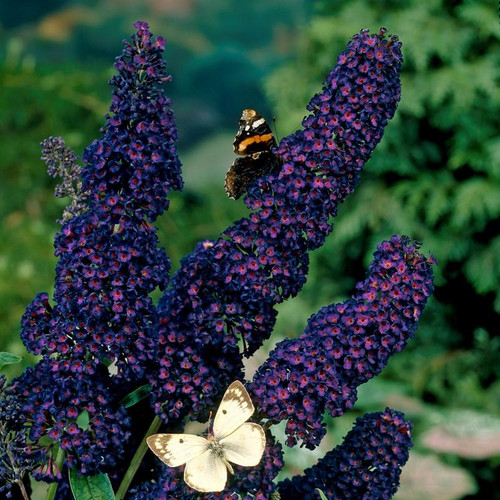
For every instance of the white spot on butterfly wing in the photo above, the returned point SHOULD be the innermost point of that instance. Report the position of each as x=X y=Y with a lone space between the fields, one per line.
x=258 y=123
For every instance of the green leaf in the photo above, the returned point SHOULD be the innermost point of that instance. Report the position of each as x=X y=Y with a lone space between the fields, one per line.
x=83 y=420
x=134 y=397
x=96 y=487
x=7 y=358
x=321 y=494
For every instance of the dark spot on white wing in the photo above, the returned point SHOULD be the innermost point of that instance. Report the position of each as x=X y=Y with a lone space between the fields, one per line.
x=181 y=440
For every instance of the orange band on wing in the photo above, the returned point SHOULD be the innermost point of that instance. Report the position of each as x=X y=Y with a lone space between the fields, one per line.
x=252 y=140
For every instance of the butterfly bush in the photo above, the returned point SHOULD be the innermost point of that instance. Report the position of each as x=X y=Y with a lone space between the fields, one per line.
x=101 y=337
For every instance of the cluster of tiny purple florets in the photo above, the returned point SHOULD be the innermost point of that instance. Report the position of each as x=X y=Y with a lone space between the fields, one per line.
x=366 y=465
x=322 y=162
x=109 y=259
x=62 y=162
x=103 y=311
x=134 y=165
x=344 y=345
x=227 y=289
x=18 y=456
x=52 y=401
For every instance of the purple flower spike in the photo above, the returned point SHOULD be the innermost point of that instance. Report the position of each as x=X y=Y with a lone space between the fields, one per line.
x=366 y=465
x=344 y=345
x=109 y=258
x=323 y=161
x=135 y=163
x=227 y=289
x=109 y=263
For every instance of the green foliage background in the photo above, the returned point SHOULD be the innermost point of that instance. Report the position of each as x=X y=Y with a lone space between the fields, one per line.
x=435 y=176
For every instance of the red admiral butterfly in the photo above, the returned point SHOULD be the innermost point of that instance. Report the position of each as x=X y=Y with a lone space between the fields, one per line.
x=254 y=141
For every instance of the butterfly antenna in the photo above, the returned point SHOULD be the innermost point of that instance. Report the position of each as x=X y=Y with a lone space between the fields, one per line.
x=210 y=422
x=275 y=130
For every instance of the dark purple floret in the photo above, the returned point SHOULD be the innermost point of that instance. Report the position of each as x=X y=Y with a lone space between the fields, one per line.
x=135 y=162
x=227 y=290
x=75 y=410
x=344 y=345
x=367 y=465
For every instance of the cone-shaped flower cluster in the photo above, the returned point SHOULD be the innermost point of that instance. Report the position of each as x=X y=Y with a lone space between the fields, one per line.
x=366 y=465
x=109 y=259
x=227 y=289
x=344 y=345
x=109 y=263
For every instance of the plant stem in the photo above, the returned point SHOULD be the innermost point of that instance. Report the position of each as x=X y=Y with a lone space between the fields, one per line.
x=23 y=489
x=61 y=455
x=136 y=460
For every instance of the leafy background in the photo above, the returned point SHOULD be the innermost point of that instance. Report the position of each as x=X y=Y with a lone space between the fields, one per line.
x=435 y=176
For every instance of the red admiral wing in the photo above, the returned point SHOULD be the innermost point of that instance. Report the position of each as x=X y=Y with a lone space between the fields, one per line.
x=254 y=141
x=254 y=134
x=243 y=172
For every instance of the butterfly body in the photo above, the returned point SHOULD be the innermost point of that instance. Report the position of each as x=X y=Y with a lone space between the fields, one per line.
x=254 y=141
x=232 y=440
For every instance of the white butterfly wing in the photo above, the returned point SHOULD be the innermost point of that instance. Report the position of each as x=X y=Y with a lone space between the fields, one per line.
x=206 y=473
x=245 y=446
x=235 y=409
x=177 y=449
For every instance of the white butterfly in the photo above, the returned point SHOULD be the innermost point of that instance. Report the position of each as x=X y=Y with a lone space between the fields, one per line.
x=233 y=439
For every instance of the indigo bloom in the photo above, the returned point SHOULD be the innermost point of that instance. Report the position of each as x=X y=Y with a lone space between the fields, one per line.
x=76 y=411
x=227 y=289
x=17 y=456
x=109 y=259
x=344 y=345
x=132 y=168
x=366 y=465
